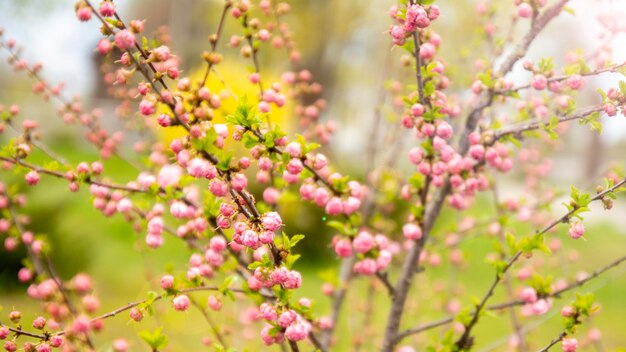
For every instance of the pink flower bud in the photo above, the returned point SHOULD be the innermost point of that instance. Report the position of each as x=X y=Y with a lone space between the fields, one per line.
x=84 y=13
x=107 y=9
x=539 y=82
x=214 y=303
x=412 y=231
x=363 y=242
x=167 y=282
x=39 y=323
x=575 y=82
x=524 y=10
x=272 y=221
x=334 y=206
x=568 y=311
x=569 y=344
x=577 y=230
x=104 y=47
x=343 y=248
x=135 y=314
x=528 y=295
x=181 y=303
x=32 y=178
x=427 y=51
x=124 y=39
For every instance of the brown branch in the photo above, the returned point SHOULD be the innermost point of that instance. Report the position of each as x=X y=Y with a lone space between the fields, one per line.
x=500 y=306
x=206 y=316
x=465 y=342
x=612 y=69
x=517 y=328
x=554 y=342
x=516 y=129
x=214 y=39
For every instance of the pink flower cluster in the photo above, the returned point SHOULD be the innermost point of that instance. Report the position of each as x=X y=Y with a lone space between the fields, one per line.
x=533 y=305
x=284 y=323
x=266 y=277
x=374 y=252
x=413 y=17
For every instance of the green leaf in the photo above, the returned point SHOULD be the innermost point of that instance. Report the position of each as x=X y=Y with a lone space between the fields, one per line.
x=569 y=10
x=291 y=260
x=156 y=340
x=295 y=239
x=545 y=65
x=338 y=225
x=622 y=87
x=511 y=243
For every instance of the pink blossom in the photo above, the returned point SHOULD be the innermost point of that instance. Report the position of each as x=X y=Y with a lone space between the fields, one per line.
x=104 y=47
x=272 y=221
x=32 y=178
x=39 y=323
x=10 y=346
x=167 y=282
x=135 y=314
x=269 y=339
x=294 y=149
x=343 y=248
x=412 y=231
x=120 y=345
x=569 y=344
x=147 y=107
x=568 y=311
x=575 y=82
x=539 y=82
x=239 y=182
x=334 y=206
x=293 y=280
x=427 y=51
x=217 y=243
x=107 y=8
x=298 y=331
x=181 y=302
x=363 y=242
x=218 y=187
x=524 y=10
x=398 y=34
x=576 y=230
x=125 y=39
x=4 y=332
x=416 y=16
x=56 y=341
x=286 y=318
x=214 y=303
x=366 y=266
x=295 y=166
x=528 y=295
x=84 y=13
x=351 y=205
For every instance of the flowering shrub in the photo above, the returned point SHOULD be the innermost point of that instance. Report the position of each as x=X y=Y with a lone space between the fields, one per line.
x=217 y=186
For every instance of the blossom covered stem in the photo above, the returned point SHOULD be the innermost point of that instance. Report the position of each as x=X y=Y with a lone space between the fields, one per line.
x=42 y=267
x=433 y=208
x=529 y=126
x=612 y=69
